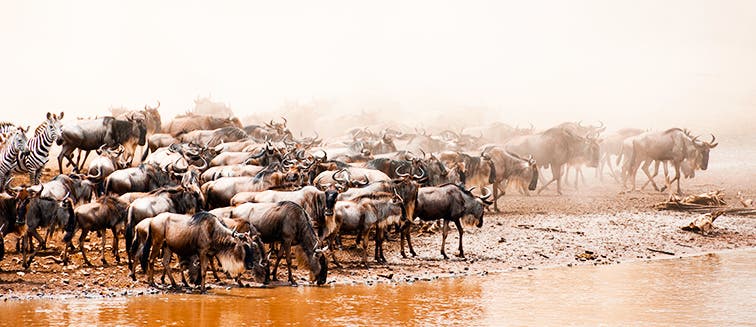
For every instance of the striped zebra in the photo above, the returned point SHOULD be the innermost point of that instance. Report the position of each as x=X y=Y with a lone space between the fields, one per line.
x=13 y=146
x=38 y=148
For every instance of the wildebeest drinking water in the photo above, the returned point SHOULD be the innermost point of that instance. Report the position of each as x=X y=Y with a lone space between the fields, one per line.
x=203 y=235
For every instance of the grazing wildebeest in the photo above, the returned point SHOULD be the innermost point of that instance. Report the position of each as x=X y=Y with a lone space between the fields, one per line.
x=510 y=167
x=108 y=212
x=142 y=178
x=88 y=135
x=37 y=212
x=555 y=148
x=366 y=211
x=14 y=146
x=675 y=145
x=451 y=203
x=287 y=223
x=205 y=236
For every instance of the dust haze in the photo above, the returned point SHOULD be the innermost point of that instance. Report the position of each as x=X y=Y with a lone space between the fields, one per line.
x=331 y=65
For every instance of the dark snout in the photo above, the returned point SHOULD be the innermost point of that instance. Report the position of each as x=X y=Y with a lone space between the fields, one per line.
x=533 y=179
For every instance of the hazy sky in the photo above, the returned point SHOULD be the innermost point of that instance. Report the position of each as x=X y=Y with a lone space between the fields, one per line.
x=540 y=61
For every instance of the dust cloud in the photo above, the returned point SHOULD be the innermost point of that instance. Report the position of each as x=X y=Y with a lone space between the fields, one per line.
x=338 y=64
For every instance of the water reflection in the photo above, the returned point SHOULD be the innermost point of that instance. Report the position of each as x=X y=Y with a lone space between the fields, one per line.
x=717 y=289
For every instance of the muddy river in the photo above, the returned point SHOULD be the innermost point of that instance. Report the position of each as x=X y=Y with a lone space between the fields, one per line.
x=714 y=289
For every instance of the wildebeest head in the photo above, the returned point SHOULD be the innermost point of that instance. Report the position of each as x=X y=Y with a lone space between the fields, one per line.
x=322 y=266
x=254 y=256
x=476 y=205
x=702 y=151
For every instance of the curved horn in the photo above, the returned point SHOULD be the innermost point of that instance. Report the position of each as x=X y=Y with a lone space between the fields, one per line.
x=469 y=190
x=100 y=149
x=713 y=138
x=284 y=120
x=400 y=174
x=65 y=197
x=486 y=195
x=176 y=167
x=99 y=174
x=204 y=166
x=422 y=174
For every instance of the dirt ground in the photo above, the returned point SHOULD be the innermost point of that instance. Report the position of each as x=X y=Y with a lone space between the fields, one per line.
x=596 y=224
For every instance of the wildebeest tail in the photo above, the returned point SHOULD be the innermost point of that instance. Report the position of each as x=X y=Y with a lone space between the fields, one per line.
x=145 y=152
x=70 y=228
x=144 y=259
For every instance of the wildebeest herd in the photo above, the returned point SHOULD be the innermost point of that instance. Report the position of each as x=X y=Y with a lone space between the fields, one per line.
x=211 y=190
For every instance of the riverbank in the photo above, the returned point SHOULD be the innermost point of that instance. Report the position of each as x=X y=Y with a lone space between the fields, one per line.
x=593 y=226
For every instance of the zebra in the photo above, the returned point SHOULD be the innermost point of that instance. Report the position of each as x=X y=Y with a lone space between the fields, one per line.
x=14 y=145
x=38 y=148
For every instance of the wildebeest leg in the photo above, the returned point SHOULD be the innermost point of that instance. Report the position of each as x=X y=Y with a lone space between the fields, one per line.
x=365 y=232
x=461 y=231
x=102 y=248
x=496 y=195
x=406 y=229
x=84 y=234
x=40 y=240
x=279 y=256
x=215 y=271
x=677 y=177
x=656 y=172
x=286 y=247
x=556 y=172
x=203 y=271
x=333 y=251
x=378 y=255
x=443 y=238
x=115 y=244
x=167 y=270
x=648 y=174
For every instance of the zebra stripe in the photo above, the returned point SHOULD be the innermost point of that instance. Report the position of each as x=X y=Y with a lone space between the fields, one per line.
x=9 y=154
x=38 y=151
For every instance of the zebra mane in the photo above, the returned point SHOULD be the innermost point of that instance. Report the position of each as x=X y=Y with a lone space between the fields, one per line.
x=40 y=129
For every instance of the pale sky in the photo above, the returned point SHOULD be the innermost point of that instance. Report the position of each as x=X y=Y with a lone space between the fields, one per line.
x=653 y=63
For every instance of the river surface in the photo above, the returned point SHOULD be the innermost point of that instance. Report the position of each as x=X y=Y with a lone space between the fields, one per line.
x=713 y=289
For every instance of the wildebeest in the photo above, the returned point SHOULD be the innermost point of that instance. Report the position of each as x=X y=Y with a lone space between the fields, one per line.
x=192 y=122
x=107 y=213
x=219 y=192
x=449 y=202
x=205 y=236
x=142 y=178
x=366 y=211
x=317 y=203
x=88 y=135
x=8 y=218
x=555 y=147
x=611 y=145
x=105 y=163
x=287 y=223
x=78 y=187
x=509 y=167
x=675 y=145
x=211 y=138
x=183 y=199
x=38 y=212
x=214 y=173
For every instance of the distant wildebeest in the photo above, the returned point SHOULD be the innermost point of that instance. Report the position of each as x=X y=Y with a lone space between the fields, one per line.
x=509 y=167
x=555 y=148
x=674 y=145
x=193 y=122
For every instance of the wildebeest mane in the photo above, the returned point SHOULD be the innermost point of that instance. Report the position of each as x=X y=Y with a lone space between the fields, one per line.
x=197 y=218
x=120 y=130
